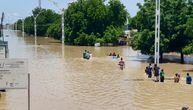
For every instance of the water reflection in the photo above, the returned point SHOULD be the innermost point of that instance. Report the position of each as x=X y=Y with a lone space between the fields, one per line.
x=35 y=41
x=62 y=51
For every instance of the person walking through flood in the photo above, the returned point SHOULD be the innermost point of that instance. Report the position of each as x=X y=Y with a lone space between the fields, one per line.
x=146 y=70
x=85 y=54
x=149 y=71
x=162 y=76
x=176 y=78
x=88 y=55
x=121 y=64
x=188 y=79
x=118 y=56
x=114 y=56
x=156 y=73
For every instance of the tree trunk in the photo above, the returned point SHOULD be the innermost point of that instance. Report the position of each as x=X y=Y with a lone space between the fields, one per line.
x=161 y=57
x=182 y=58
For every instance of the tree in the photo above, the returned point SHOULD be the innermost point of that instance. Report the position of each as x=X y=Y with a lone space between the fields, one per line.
x=85 y=39
x=54 y=30
x=189 y=32
x=116 y=13
x=29 y=25
x=174 y=17
x=45 y=17
x=112 y=34
x=44 y=20
x=86 y=21
x=93 y=17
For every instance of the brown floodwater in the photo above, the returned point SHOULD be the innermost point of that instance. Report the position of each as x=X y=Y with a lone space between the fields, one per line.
x=62 y=80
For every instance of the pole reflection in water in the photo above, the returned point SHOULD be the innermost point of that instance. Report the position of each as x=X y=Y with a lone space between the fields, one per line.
x=62 y=51
x=35 y=46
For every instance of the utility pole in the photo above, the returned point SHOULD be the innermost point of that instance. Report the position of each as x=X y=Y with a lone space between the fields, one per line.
x=62 y=15
x=35 y=23
x=157 y=33
x=35 y=27
x=127 y=23
x=63 y=27
x=16 y=26
x=23 y=20
x=1 y=26
x=40 y=4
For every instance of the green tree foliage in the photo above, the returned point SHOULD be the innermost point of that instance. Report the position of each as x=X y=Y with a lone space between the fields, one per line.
x=112 y=34
x=116 y=13
x=19 y=22
x=85 y=39
x=188 y=49
x=86 y=22
x=55 y=30
x=93 y=17
x=175 y=35
x=189 y=32
x=29 y=25
x=45 y=17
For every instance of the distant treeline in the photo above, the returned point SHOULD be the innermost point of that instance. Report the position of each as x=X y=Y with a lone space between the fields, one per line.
x=91 y=21
x=86 y=22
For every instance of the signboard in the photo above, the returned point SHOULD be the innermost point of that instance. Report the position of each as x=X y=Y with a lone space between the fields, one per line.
x=3 y=49
x=13 y=74
x=2 y=52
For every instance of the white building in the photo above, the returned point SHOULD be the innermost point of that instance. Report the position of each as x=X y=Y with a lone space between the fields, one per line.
x=128 y=33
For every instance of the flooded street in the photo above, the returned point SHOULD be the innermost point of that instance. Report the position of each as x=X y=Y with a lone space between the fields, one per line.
x=62 y=80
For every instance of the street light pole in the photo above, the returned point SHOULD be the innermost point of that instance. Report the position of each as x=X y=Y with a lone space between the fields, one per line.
x=63 y=33
x=35 y=27
x=62 y=27
x=16 y=26
x=157 y=33
x=35 y=23
x=23 y=20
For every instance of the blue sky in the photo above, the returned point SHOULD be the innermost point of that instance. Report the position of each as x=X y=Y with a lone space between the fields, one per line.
x=23 y=8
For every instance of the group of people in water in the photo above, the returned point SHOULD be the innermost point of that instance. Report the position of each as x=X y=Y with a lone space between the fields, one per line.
x=87 y=55
x=121 y=62
x=114 y=55
x=159 y=75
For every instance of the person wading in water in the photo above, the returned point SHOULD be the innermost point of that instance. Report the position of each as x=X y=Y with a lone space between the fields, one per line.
x=121 y=64
x=156 y=73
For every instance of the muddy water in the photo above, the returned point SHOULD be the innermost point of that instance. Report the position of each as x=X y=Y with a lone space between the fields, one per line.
x=62 y=80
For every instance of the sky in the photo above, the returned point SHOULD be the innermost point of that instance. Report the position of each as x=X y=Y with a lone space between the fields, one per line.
x=15 y=9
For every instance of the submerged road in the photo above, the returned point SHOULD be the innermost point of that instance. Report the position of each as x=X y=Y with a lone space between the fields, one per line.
x=62 y=80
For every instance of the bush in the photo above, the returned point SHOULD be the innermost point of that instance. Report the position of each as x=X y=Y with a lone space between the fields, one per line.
x=112 y=34
x=100 y=40
x=188 y=49
x=85 y=39
x=55 y=31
